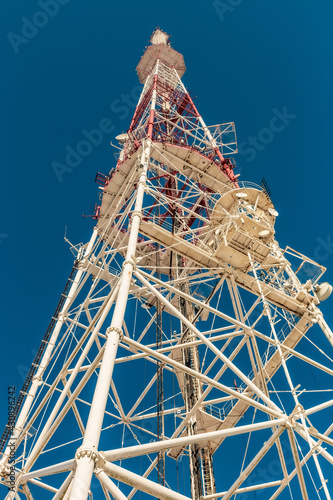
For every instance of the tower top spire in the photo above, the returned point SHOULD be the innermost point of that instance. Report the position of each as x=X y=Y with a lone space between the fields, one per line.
x=160 y=37
x=161 y=50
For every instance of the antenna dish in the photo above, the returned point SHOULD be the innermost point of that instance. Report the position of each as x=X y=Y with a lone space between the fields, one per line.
x=241 y=195
x=264 y=233
x=122 y=138
x=273 y=212
x=323 y=291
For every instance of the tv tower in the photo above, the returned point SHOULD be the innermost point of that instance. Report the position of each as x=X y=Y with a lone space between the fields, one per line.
x=188 y=356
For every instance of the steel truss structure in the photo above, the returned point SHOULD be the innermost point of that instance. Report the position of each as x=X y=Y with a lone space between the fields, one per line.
x=181 y=361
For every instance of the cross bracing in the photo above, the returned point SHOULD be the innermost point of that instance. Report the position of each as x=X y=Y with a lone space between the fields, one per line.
x=245 y=352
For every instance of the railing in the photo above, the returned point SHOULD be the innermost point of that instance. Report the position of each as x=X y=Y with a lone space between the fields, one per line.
x=215 y=411
x=249 y=184
x=242 y=185
x=102 y=179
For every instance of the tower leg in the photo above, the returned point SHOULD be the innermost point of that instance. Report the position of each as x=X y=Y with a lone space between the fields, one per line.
x=87 y=454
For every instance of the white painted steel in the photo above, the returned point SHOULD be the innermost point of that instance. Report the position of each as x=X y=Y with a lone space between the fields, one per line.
x=61 y=491
x=110 y=485
x=46 y=434
x=198 y=283
x=209 y=344
x=253 y=463
x=85 y=467
x=154 y=489
x=143 y=449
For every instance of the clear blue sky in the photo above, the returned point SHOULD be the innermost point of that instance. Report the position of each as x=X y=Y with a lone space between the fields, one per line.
x=246 y=63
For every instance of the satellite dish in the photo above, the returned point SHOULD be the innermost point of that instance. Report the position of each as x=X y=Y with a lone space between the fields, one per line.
x=241 y=195
x=273 y=212
x=264 y=233
x=323 y=291
x=122 y=138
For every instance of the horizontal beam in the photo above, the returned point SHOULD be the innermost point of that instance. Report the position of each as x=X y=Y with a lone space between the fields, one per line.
x=155 y=447
x=52 y=469
x=211 y=346
x=211 y=382
x=247 y=471
x=141 y=483
x=246 y=489
x=181 y=346
x=43 y=485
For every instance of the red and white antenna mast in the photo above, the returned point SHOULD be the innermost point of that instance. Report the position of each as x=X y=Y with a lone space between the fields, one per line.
x=183 y=335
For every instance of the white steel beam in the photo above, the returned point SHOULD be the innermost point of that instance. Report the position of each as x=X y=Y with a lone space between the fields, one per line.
x=47 y=433
x=70 y=359
x=151 y=467
x=297 y=354
x=43 y=485
x=315 y=458
x=246 y=489
x=315 y=409
x=204 y=378
x=287 y=480
x=141 y=483
x=201 y=399
x=315 y=444
x=155 y=447
x=181 y=346
x=209 y=344
x=324 y=326
x=247 y=471
x=110 y=485
x=85 y=467
x=61 y=491
x=52 y=469
x=298 y=464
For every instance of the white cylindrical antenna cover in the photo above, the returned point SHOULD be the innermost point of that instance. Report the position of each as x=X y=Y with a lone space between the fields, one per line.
x=323 y=291
x=159 y=37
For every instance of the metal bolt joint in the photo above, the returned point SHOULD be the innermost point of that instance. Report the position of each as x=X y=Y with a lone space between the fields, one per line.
x=118 y=331
x=90 y=453
x=130 y=261
x=83 y=263
x=296 y=413
x=5 y=470
x=137 y=213
x=98 y=470
x=62 y=317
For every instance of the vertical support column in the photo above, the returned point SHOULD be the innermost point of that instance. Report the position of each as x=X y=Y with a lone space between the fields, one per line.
x=153 y=105
x=123 y=153
x=159 y=368
x=87 y=454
